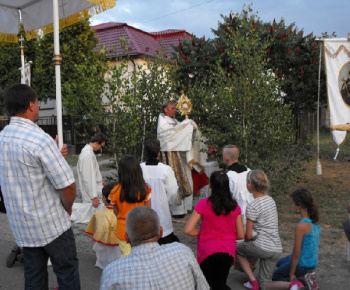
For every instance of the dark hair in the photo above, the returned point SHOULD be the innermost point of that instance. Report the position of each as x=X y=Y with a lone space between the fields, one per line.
x=18 y=97
x=167 y=103
x=152 y=148
x=221 y=197
x=99 y=138
x=106 y=190
x=133 y=186
x=302 y=197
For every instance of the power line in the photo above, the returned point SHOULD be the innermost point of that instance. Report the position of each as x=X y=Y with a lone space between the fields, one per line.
x=177 y=12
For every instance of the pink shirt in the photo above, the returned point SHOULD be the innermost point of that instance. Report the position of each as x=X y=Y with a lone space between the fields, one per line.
x=217 y=234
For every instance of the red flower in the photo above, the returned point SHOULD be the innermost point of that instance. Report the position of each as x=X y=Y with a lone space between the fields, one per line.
x=269 y=50
x=288 y=50
x=314 y=46
x=301 y=71
x=314 y=60
x=281 y=36
x=297 y=51
x=220 y=49
x=187 y=60
x=203 y=59
x=227 y=31
x=253 y=24
x=230 y=17
x=182 y=55
x=271 y=29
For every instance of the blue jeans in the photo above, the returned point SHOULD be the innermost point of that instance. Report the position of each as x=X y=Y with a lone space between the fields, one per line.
x=283 y=266
x=63 y=255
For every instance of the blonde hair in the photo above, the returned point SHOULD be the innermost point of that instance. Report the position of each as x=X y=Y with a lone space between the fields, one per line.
x=259 y=180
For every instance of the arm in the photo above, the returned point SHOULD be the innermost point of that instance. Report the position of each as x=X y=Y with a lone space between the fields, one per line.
x=301 y=230
x=67 y=196
x=115 y=209
x=190 y=229
x=148 y=202
x=249 y=230
x=239 y=228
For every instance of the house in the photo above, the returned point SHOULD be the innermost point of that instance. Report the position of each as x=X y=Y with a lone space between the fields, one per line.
x=137 y=44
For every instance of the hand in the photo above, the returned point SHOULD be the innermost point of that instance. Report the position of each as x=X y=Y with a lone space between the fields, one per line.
x=95 y=202
x=64 y=149
x=292 y=278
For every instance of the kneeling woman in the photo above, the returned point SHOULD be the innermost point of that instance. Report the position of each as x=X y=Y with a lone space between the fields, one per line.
x=221 y=225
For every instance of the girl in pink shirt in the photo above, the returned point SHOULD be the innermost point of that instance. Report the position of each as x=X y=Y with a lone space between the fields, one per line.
x=220 y=227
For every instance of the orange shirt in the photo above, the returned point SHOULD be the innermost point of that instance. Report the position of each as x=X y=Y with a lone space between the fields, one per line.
x=123 y=208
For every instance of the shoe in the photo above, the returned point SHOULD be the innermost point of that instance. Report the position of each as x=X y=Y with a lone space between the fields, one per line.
x=255 y=285
x=12 y=257
x=295 y=285
x=310 y=279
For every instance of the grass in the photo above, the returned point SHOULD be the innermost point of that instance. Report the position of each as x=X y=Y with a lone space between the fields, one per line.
x=330 y=192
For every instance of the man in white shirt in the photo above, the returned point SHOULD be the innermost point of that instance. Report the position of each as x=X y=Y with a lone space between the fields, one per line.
x=180 y=144
x=90 y=181
x=161 y=178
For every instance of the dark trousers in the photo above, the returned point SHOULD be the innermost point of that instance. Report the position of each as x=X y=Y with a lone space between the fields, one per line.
x=215 y=269
x=63 y=254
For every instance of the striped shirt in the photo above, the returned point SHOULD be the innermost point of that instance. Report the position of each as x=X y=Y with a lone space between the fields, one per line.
x=263 y=212
x=32 y=170
x=154 y=267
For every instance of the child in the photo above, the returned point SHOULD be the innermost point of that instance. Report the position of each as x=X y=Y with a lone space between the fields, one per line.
x=304 y=258
x=221 y=225
x=261 y=216
x=130 y=192
x=102 y=228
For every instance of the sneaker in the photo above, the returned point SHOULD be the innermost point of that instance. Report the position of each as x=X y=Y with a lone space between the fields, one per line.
x=248 y=285
x=310 y=279
x=255 y=285
x=295 y=285
x=12 y=257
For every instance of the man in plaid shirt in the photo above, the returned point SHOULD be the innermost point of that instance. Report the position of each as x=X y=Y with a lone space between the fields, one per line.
x=39 y=189
x=151 y=266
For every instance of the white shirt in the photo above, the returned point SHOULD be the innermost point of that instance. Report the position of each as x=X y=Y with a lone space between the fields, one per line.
x=89 y=175
x=161 y=179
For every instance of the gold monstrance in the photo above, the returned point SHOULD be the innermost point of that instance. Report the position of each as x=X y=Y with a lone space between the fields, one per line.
x=184 y=105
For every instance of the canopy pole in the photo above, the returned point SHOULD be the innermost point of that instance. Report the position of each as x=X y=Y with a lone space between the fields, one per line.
x=318 y=162
x=57 y=59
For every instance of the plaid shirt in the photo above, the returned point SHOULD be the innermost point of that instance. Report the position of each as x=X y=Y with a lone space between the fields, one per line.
x=151 y=267
x=32 y=170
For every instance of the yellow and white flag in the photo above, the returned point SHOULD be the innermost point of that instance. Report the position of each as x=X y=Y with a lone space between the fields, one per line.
x=337 y=57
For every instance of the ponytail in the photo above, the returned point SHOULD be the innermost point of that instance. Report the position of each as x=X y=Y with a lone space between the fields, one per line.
x=302 y=197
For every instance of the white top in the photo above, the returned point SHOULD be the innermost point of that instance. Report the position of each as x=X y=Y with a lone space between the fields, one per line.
x=89 y=175
x=239 y=190
x=161 y=179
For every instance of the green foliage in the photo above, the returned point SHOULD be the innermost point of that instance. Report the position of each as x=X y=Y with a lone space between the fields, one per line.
x=77 y=43
x=240 y=100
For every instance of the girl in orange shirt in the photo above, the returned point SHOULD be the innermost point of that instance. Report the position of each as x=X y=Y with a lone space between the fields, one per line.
x=130 y=192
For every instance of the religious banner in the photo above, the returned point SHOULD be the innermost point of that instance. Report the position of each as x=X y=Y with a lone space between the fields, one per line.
x=337 y=58
x=25 y=74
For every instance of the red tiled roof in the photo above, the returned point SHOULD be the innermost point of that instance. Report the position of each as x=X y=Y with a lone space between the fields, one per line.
x=135 y=41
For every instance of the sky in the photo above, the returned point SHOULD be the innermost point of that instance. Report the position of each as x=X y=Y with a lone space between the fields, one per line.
x=198 y=17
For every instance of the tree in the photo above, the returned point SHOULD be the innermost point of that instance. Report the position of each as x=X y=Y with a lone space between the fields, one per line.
x=77 y=43
x=240 y=99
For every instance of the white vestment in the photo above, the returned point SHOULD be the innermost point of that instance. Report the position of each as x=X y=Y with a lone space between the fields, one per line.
x=89 y=185
x=184 y=138
x=239 y=190
x=161 y=179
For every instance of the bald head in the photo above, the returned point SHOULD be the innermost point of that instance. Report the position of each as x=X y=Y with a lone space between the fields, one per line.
x=142 y=226
x=230 y=154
